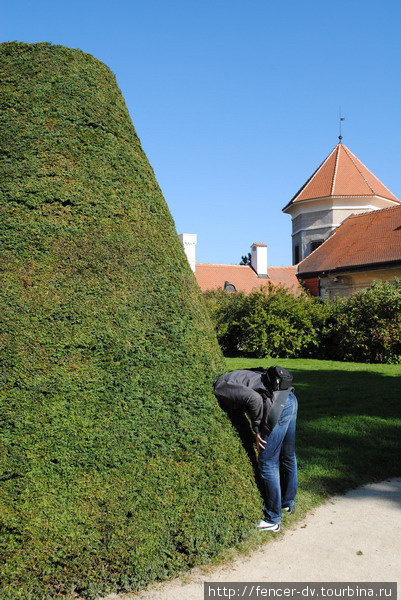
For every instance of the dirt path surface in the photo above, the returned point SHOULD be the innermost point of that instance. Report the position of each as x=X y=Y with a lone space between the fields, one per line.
x=356 y=537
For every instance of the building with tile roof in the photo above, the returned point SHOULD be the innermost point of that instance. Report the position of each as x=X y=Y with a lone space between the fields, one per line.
x=364 y=248
x=346 y=232
x=243 y=278
x=341 y=186
x=240 y=278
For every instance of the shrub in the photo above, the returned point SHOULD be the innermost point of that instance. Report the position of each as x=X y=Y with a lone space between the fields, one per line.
x=118 y=466
x=366 y=327
x=274 y=323
x=226 y=310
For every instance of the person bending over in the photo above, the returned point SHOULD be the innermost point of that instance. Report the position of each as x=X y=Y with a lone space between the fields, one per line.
x=269 y=400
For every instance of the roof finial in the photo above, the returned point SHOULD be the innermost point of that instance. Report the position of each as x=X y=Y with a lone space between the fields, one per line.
x=340 y=119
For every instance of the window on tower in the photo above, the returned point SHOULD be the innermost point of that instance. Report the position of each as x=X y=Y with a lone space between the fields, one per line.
x=315 y=244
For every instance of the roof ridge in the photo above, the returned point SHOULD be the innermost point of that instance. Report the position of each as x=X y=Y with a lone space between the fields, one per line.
x=351 y=157
x=249 y=266
x=223 y=265
x=311 y=177
x=368 y=212
x=335 y=170
x=281 y=267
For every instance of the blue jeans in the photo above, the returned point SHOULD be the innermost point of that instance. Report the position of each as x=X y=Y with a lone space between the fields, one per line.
x=278 y=463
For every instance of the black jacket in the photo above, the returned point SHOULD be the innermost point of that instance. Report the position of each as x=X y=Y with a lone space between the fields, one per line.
x=252 y=391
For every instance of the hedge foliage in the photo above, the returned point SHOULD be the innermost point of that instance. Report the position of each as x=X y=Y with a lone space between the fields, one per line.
x=366 y=327
x=118 y=467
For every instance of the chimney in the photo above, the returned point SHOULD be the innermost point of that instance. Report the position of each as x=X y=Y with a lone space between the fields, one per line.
x=259 y=260
x=189 y=241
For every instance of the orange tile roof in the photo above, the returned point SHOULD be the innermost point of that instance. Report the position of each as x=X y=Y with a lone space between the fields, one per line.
x=211 y=277
x=342 y=174
x=285 y=276
x=361 y=240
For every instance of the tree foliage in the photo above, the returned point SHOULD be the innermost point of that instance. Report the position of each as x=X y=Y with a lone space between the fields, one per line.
x=118 y=465
x=246 y=259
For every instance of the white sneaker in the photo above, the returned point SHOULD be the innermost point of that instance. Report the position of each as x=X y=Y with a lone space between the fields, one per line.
x=266 y=526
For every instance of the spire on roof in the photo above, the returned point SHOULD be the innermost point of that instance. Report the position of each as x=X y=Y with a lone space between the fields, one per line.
x=340 y=118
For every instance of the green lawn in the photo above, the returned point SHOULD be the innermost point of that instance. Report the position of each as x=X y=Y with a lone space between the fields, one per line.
x=349 y=424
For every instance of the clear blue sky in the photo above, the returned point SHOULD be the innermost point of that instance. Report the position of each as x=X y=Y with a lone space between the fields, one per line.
x=236 y=102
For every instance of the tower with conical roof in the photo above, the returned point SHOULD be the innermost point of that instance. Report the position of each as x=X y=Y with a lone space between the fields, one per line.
x=341 y=186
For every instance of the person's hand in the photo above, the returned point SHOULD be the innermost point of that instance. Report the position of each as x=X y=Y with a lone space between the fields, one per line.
x=260 y=442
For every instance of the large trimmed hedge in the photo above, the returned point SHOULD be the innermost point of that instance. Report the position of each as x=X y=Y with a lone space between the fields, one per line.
x=118 y=467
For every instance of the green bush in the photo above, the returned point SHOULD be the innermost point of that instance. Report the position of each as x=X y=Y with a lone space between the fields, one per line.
x=366 y=327
x=226 y=310
x=273 y=324
x=118 y=467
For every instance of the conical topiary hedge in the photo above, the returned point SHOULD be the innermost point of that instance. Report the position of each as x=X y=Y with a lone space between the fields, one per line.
x=118 y=467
